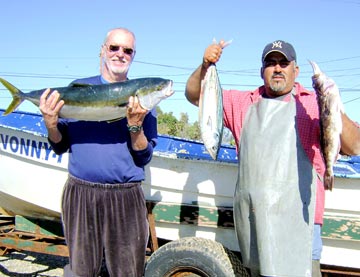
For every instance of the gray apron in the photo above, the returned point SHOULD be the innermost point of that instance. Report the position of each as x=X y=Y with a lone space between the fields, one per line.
x=274 y=202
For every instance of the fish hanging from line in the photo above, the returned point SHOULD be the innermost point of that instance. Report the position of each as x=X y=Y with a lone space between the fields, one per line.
x=330 y=109
x=105 y=102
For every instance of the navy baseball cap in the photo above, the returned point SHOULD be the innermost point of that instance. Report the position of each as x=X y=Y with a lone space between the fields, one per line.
x=282 y=47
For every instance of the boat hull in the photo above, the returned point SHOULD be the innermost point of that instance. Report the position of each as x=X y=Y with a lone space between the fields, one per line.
x=191 y=193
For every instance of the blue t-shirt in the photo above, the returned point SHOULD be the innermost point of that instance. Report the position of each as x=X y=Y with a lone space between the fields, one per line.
x=101 y=151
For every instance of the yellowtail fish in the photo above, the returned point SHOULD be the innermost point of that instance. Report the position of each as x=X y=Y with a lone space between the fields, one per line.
x=330 y=109
x=98 y=102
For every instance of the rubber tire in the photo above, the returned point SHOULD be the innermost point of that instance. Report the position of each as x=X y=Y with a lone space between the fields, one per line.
x=199 y=256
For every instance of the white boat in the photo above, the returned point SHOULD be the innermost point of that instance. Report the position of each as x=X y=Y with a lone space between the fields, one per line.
x=192 y=194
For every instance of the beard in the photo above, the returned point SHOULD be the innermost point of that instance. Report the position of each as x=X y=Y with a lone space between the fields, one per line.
x=116 y=68
x=277 y=86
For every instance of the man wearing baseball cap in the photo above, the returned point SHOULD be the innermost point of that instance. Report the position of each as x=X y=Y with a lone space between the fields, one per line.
x=282 y=47
x=279 y=198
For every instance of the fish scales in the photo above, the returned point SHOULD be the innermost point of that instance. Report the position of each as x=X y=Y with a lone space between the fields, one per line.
x=330 y=108
x=105 y=102
x=211 y=112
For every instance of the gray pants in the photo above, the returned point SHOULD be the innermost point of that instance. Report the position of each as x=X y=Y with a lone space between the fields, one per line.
x=105 y=220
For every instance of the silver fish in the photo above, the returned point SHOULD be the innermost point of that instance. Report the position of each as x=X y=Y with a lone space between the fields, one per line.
x=330 y=108
x=211 y=112
x=98 y=102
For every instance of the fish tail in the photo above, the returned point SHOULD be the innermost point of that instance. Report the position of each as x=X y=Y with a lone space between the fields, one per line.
x=329 y=180
x=17 y=95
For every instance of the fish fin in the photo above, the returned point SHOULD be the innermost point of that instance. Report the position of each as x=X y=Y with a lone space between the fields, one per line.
x=123 y=105
x=209 y=123
x=16 y=94
x=213 y=154
x=79 y=85
x=341 y=107
x=316 y=69
x=114 y=120
x=226 y=43
x=329 y=181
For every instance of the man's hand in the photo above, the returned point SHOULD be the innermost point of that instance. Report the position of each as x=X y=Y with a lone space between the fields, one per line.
x=50 y=107
x=213 y=52
x=135 y=116
x=135 y=113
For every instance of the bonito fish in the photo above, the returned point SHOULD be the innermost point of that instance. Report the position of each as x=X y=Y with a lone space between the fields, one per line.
x=99 y=102
x=211 y=109
x=211 y=112
x=330 y=108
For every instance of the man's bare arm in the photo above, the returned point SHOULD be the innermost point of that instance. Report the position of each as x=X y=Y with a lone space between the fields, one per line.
x=350 y=137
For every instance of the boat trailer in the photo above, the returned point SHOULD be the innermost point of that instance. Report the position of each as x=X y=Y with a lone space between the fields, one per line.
x=18 y=233
x=35 y=235
x=46 y=236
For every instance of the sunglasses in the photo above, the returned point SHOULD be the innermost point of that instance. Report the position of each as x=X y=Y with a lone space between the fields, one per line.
x=115 y=48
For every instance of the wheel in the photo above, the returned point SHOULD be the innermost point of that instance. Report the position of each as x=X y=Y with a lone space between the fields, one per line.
x=194 y=256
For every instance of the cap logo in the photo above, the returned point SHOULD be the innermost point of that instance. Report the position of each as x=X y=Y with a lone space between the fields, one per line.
x=277 y=44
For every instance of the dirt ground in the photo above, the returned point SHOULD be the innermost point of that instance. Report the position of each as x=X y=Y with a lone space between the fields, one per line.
x=26 y=264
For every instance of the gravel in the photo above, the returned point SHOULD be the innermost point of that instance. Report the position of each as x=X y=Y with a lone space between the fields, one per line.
x=28 y=264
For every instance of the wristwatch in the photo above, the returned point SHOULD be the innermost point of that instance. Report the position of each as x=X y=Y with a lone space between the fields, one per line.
x=134 y=128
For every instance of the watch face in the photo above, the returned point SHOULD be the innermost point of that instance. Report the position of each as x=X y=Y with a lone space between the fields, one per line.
x=134 y=128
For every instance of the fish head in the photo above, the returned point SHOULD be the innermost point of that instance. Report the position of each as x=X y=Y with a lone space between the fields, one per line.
x=212 y=143
x=211 y=134
x=153 y=92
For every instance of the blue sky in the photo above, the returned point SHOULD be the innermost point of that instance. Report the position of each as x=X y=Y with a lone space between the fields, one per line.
x=50 y=43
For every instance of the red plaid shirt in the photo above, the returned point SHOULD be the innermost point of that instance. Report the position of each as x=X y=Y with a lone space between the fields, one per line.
x=236 y=104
